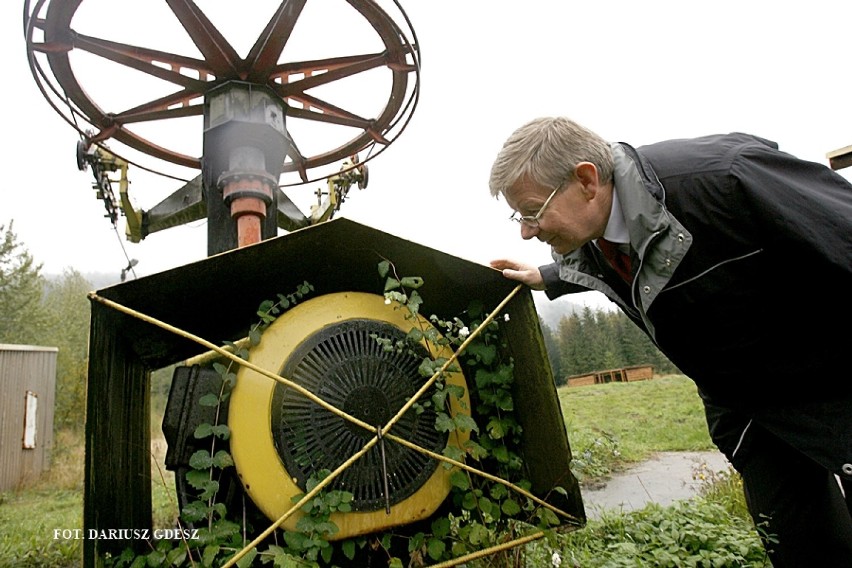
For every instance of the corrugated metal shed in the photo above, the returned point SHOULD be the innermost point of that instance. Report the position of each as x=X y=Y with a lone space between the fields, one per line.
x=27 y=390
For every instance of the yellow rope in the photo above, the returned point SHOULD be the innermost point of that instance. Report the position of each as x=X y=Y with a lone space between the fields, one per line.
x=488 y=476
x=490 y=550
x=228 y=355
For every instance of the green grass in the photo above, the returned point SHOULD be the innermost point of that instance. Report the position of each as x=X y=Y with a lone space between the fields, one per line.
x=30 y=516
x=639 y=418
x=608 y=426
x=28 y=521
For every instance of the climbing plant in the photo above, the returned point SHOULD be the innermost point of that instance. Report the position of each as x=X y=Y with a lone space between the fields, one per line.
x=481 y=511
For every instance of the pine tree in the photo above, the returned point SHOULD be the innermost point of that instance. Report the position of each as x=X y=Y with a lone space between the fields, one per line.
x=22 y=316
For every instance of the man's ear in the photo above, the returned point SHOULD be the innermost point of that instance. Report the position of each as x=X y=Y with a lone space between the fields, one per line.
x=587 y=174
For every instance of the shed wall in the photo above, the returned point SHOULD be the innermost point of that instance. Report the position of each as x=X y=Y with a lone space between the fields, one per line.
x=25 y=368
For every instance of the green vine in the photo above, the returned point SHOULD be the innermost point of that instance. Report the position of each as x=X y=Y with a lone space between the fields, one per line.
x=484 y=512
x=478 y=513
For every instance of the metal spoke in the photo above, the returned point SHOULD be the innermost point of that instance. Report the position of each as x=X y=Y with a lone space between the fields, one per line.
x=142 y=59
x=146 y=111
x=267 y=49
x=218 y=53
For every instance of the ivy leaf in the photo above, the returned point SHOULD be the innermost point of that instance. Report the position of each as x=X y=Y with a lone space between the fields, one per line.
x=443 y=423
x=348 y=547
x=414 y=335
x=439 y=398
x=210 y=552
x=505 y=401
x=469 y=501
x=435 y=547
x=453 y=453
x=510 y=507
x=427 y=367
x=194 y=511
x=222 y=459
x=465 y=423
x=176 y=556
x=219 y=509
x=478 y=534
x=201 y=460
x=412 y=281
x=441 y=527
x=197 y=479
x=384 y=267
x=460 y=480
x=203 y=431
x=391 y=284
x=495 y=428
x=485 y=505
x=414 y=302
x=501 y=454
x=498 y=491
x=475 y=451
x=209 y=399
x=457 y=391
x=254 y=336
x=221 y=431
x=482 y=352
x=295 y=540
x=247 y=560
x=211 y=487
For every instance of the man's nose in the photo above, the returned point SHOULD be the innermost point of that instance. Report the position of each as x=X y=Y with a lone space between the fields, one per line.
x=528 y=231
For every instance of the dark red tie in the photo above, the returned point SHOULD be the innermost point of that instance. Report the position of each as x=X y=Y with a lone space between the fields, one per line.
x=617 y=258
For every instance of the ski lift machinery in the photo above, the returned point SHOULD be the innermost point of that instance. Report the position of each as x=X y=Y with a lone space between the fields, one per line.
x=258 y=113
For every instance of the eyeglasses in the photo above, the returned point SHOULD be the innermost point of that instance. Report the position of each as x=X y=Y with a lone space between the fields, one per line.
x=532 y=220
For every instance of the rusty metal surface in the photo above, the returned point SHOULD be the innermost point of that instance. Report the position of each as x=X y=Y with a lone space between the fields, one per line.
x=219 y=63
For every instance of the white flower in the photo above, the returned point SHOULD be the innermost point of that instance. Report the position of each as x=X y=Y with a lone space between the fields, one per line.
x=505 y=317
x=556 y=559
x=464 y=332
x=387 y=301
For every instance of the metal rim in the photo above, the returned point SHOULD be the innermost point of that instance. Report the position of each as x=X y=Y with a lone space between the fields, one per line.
x=220 y=63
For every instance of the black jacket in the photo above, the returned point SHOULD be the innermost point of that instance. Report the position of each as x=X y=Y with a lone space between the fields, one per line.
x=757 y=308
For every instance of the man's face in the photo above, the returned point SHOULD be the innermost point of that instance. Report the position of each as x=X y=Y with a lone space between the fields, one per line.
x=574 y=216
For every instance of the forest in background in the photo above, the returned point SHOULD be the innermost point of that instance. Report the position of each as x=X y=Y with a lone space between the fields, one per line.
x=54 y=311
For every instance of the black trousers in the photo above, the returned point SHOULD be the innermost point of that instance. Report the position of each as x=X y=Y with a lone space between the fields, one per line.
x=798 y=506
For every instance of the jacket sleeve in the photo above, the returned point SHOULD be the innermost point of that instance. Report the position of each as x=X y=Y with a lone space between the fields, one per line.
x=555 y=286
x=802 y=206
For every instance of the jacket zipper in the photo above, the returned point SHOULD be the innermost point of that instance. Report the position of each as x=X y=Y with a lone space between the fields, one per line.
x=712 y=268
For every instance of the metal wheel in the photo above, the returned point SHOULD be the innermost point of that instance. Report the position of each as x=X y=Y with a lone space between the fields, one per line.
x=320 y=92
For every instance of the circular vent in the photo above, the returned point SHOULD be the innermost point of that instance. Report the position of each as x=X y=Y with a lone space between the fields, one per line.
x=345 y=365
x=279 y=438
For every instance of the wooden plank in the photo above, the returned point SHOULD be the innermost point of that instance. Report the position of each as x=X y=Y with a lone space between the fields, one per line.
x=839 y=159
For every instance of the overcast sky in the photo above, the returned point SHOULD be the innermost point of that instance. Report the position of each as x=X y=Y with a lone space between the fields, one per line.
x=632 y=71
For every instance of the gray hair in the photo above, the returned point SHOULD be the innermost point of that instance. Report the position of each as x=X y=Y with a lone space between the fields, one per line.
x=547 y=150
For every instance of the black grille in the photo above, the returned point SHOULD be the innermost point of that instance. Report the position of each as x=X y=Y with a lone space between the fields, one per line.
x=345 y=366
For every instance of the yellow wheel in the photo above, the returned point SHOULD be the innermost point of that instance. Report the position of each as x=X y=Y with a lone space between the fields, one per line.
x=331 y=346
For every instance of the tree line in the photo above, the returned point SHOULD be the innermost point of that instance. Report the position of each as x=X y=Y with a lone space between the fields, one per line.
x=35 y=310
x=52 y=312
x=599 y=340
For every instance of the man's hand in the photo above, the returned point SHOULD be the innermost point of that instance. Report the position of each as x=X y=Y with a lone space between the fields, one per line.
x=526 y=273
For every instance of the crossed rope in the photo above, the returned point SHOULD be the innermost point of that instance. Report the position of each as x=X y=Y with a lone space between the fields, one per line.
x=381 y=432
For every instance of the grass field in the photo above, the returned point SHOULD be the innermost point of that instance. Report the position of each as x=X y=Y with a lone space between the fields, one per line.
x=608 y=425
